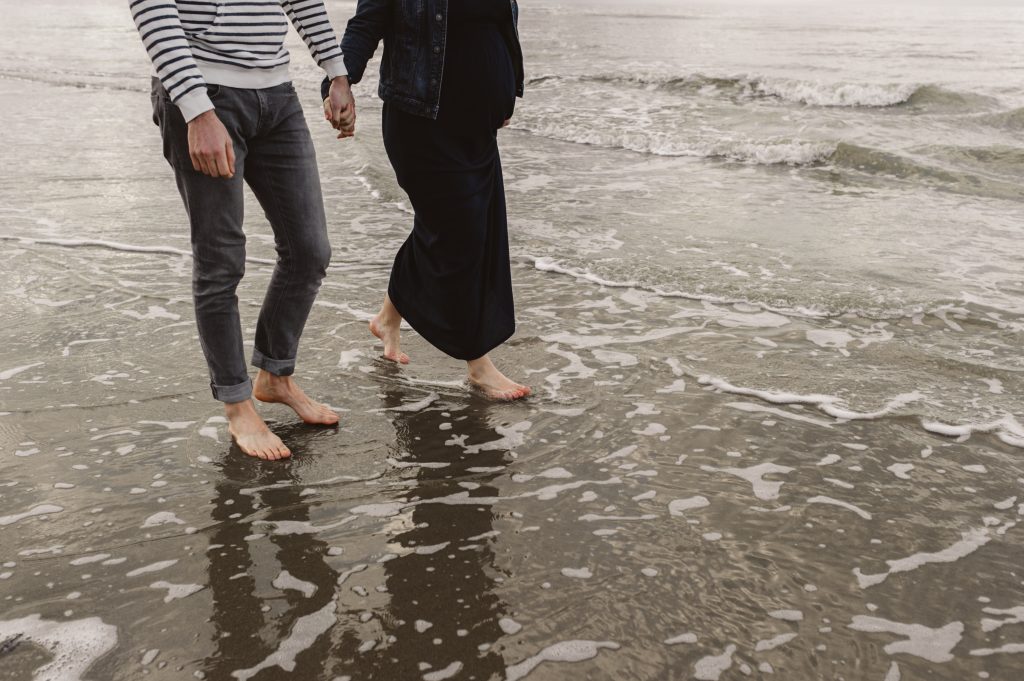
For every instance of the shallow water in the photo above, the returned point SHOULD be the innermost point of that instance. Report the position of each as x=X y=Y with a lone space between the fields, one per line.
x=767 y=274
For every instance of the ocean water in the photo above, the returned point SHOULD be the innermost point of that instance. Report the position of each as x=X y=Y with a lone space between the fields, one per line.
x=767 y=259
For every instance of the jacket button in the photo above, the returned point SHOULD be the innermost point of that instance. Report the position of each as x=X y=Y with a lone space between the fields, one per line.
x=438 y=17
x=437 y=49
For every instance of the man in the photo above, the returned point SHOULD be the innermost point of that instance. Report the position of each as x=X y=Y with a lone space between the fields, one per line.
x=227 y=111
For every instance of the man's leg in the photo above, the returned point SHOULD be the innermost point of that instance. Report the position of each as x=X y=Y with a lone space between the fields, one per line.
x=281 y=170
x=215 y=211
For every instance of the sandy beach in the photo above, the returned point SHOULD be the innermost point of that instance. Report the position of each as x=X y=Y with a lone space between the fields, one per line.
x=767 y=275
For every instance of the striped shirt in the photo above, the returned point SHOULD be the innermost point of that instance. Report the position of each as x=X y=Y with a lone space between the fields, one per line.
x=237 y=43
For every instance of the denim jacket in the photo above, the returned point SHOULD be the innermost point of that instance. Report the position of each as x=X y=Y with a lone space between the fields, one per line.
x=414 y=40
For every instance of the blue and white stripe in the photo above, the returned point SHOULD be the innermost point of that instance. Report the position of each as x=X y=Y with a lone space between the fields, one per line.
x=238 y=43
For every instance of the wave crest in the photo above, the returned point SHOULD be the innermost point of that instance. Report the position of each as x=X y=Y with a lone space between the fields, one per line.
x=806 y=92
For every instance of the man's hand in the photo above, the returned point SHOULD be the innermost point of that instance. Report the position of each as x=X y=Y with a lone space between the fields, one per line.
x=340 y=108
x=508 y=122
x=210 y=147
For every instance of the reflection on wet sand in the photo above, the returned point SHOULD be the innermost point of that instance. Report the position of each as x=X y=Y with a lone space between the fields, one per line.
x=422 y=605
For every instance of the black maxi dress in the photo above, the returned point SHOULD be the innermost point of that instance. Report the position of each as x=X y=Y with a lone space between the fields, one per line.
x=451 y=279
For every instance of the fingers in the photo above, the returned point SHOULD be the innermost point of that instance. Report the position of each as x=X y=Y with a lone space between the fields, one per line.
x=219 y=164
x=339 y=117
x=215 y=164
x=328 y=110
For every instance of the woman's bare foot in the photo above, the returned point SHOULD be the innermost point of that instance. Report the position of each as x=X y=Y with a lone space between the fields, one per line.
x=251 y=434
x=486 y=377
x=387 y=326
x=283 y=390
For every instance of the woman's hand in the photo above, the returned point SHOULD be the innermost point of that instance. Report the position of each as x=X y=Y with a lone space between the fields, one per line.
x=508 y=121
x=340 y=108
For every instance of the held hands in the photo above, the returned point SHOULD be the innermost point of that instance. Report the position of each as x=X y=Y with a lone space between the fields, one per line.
x=340 y=108
x=210 y=147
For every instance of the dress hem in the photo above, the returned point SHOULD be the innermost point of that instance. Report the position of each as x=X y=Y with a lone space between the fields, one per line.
x=417 y=323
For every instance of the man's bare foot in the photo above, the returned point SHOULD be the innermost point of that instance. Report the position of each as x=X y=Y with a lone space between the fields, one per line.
x=251 y=434
x=486 y=377
x=283 y=390
x=387 y=326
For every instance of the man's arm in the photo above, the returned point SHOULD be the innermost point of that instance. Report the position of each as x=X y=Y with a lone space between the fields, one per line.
x=209 y=144
x=311 y=21
x=160 y=28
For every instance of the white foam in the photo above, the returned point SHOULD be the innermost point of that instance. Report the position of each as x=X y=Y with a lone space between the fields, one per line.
x=397 y=463
x=512 y=436
x=446 y=673
x=95 y=558
x=830 y=338
x=564 y=651
x=1008 y=429
x=431 y=549
x=393 y=508
x=970 y=541
x=304 y=634
x=821 y=499
x=1006 y=648
x=162 y=518
x=681 y=638
x=11 y=373
x=153 y=567
x=678 y=507
x=40 y=510
x=1015 y=616
x=934 y=645
x=617 y=454
x=509 y=626
x=766 y=490
x=900 y=470
x=775 y=411
x=828 y=404
x=169 y=425
x=787 y=615
x=774 y=642
x=709 y=668
x=75 y=645
x=419 y=405
x=176 y=591
x=577 y=573
x=816 y=93
x=777 y=151
x=349 y=358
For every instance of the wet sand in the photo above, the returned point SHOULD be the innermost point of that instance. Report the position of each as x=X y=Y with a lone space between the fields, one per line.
x=700 y=488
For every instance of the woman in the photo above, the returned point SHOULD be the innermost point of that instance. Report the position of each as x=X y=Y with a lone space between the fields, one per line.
x=449 y=78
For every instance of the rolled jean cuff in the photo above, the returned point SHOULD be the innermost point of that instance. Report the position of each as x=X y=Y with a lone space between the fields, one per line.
x=278 y=367
x=232 y=393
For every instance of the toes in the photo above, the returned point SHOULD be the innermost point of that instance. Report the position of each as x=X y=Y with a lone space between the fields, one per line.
x=403 y=358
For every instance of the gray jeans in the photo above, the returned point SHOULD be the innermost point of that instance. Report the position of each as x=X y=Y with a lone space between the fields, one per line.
x=274 y=155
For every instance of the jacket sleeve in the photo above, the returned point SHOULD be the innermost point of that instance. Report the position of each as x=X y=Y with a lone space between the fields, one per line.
x=363 y=33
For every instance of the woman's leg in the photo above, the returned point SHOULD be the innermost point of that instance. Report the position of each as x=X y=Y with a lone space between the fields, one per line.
x=387 y=327
x=496 y=385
